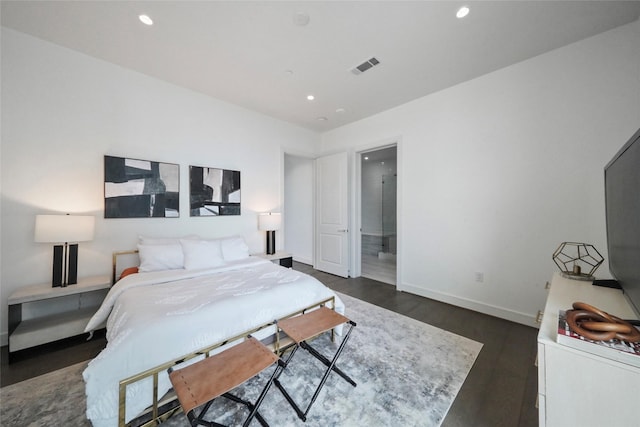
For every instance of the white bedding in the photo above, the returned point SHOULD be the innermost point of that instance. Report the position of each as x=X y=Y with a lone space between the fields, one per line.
x=159 y=316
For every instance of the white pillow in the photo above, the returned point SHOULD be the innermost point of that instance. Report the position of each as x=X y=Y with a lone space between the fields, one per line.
x=144 y=240
x=160 y=257
x=234 y=248
x=201 y=254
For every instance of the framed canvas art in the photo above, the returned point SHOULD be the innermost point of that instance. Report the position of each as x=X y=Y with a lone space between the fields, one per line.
x=213 y=191
x=136 y=188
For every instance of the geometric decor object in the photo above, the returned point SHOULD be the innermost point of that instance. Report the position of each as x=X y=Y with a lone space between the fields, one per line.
x=213 y=191
x=577 y=260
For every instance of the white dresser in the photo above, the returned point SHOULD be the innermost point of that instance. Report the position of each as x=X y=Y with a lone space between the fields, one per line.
x=576 y=388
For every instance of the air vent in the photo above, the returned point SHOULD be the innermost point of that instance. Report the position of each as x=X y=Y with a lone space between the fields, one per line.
x=366 y=65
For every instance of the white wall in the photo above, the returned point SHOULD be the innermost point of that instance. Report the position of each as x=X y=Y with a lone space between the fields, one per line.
x=494 y=173
x=298 y=207
x=63 y=111
x=498 y=171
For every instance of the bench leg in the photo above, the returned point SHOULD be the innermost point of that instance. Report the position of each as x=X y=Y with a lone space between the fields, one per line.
x=330 y=364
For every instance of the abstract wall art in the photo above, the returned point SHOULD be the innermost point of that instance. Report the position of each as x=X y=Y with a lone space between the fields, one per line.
x=213 y=191
x=136 y=188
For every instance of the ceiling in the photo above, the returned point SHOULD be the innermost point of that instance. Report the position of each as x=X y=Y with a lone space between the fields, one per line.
x=256 y=54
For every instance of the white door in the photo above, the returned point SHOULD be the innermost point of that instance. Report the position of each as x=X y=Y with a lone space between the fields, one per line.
x=332 y=220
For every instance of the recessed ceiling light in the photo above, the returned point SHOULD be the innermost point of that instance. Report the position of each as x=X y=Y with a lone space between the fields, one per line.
x=301 y=19
x=462 y=12
x=311 y=97
x=340 y=110
x=145 y=19
x=322 y=119
x=288 y=72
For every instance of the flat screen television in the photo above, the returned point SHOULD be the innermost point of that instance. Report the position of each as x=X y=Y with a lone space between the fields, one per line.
x=622 y=201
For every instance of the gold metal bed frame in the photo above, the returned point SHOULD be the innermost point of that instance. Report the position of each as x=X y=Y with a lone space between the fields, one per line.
x=115 y=261
x=166 y=406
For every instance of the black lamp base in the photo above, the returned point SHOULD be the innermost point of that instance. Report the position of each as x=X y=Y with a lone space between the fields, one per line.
x=58 y=263
x=65 y=265
x=72 y=270
x=271 y=242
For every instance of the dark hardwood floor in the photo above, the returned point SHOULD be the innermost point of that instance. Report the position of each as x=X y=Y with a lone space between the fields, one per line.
x=500 y=390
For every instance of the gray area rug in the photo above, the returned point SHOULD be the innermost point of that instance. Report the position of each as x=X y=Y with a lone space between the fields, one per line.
x=408 y=374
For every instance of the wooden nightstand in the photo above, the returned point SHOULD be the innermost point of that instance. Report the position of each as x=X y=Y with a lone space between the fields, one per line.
x=41 y=314
x=283 y=258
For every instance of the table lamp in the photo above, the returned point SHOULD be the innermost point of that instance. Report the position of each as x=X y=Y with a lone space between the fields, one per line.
x=63 y=229
x=270 y=222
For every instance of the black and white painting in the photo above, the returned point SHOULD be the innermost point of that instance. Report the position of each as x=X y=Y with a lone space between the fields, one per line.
x=214 y=192
x=140 y=188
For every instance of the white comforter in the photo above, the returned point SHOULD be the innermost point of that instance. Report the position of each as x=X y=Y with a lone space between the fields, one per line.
x=159 y=316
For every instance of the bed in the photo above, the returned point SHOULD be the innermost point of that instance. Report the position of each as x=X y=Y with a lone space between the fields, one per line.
x=213 y=294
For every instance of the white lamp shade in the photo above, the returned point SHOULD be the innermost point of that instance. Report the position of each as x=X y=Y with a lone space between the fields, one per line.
x=64 y=228
x=269 y=221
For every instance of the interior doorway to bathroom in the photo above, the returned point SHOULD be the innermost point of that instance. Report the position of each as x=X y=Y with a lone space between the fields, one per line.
x=378 y=198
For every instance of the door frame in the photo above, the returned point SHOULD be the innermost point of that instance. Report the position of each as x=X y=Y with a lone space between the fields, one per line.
x=356 y=207
x=355 y=218
x=311 y=158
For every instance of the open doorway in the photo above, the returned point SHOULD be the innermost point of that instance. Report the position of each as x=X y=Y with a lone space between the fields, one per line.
x=298 y=207
x=378 y=210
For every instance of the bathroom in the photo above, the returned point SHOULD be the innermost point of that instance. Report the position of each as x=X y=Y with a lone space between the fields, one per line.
x=378 y=208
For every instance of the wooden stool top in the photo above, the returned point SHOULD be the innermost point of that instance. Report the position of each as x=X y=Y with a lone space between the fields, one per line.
x=209 y=378
x=308 y=325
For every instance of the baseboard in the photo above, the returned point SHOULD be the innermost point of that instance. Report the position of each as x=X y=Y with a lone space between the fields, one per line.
x=303 y=260
x=501 y=312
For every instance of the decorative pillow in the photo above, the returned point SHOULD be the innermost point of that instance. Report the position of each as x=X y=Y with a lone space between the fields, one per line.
x=160 y=257
x=201 y=254
x=234 y=248
x=128 y=271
